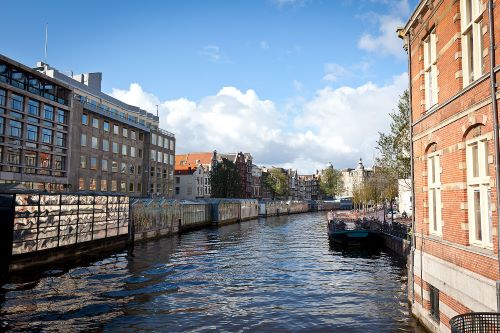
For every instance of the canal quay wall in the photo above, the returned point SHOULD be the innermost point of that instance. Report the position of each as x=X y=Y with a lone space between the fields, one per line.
x=38 y=229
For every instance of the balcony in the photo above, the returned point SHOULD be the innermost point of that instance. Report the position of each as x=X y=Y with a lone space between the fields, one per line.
x=476 y=322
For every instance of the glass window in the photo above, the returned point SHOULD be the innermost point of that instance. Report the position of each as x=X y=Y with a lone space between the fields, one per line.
x=32 y=132
x=46 y=135
x=95 y=122
x=124 y=150
x=132 y=135
x=153 y=155
x=115 y=147
x=3 y=97
x=60 y=139
x=139 y=187
x=93 y=163
x=124 y=132
x=114 y=185
x=18 y=79
x=17 y=102
x=160 y=141
x=104 y=185
x=123 y=168
x=132 y=151
x=131 y=169
x=104 y=165
x=44 y=160
x=141 y=136
x=83 y=140
x=81 y=184
x=59 y=162
x=16 y=115
x=95 y=143
x=140 y=153
x=165 y=158
x=61 y=116
x=473 y=65
x=159 y=156
x=153 y=138
x=123 y=187
x=48 y=112
x=2 y=125
x=105 y=126
x=30 y=161
x=4 y=73
x=116 y=129
x=15 y=128
x=33 y=107
x=34 y=85
x=105 y=145
x=165 y=143
x=93 y=184
x=85 y=119
x=83 y=161
x=114 y=166
x=131 y=187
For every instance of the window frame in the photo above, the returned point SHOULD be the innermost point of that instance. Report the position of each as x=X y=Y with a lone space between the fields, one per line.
x=471 y=31
x=430 y=70
x=434 y=199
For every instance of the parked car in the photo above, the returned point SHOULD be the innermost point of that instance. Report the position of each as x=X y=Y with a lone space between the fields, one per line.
x=389 y=215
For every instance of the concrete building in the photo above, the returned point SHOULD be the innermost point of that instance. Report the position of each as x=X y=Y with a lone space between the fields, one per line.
x=116 y=146
x=35 y=128
x=355 y=177
x=453 y=75
x=243 y=162
x=68 y=135
x=309 y=185
x=256 y=182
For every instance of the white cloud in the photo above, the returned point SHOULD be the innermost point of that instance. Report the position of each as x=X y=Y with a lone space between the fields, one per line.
x=386 y=41
x=212 y=53
x=334 y=71
x=338 y=125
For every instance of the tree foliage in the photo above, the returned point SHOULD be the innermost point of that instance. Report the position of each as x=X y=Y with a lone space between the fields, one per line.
x=276 y=182
x=331 y=182
x=393 y=161
x=225 y=180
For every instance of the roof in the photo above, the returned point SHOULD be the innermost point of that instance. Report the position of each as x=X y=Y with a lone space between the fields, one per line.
x=190 y=159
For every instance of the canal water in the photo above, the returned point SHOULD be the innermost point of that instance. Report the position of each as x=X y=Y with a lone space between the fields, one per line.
x=269 y=275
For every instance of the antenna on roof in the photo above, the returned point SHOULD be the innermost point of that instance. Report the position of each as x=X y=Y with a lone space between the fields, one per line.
x=46 y=39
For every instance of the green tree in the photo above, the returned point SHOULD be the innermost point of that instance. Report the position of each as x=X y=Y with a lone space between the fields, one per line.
x=225 y=180
x=276 y=182
x=331 y=182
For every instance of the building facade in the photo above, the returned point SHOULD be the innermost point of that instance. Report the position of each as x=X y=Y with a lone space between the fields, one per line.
x=354 y=178
x=63 y=133
x=453 y=74
x=192 y=176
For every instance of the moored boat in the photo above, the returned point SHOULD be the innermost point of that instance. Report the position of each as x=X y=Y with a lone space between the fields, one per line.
x=352 y=232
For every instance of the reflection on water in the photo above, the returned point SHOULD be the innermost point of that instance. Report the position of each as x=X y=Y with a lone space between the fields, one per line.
x=275 y=274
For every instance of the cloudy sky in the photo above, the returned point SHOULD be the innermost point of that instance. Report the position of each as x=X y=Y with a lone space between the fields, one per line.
x=297 y=83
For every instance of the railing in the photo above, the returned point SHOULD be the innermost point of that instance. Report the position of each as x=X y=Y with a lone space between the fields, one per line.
x=396 y=229
x=476 y=322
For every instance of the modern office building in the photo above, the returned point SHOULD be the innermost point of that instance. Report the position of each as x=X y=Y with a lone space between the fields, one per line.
x=69 y=135
x=454 y=74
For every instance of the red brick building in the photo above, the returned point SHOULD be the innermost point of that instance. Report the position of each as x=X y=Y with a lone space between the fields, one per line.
x=453 y=70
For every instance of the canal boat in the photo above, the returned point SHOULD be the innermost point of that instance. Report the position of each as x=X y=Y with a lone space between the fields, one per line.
x=352 y=232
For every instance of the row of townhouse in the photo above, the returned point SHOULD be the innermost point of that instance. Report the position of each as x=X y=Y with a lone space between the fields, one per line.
x=192 y=177
x=454 y=67
x=62 y=133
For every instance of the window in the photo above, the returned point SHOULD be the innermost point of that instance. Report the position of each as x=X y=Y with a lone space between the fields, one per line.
x=95 y=143
x=177 y=190
x=46 y=136
x=116 y=129
x=141 y=136
x=33 y=107
x=172 y=145
x=177 y=180
x=104 y=185
x=83 y=161
x=17 y=102
x=2 y=124
x=472 y=36
x=105 y=126
x=95 y=123
x=123 y=168
x=81 y=184
x=124 y=132
x=131 y=169
x=139 y=170
x=85 y=119
x=115 y=147
x=123 y=186
x=132 y=151
x=160 y=141
x=15 y=128
x=32 y=132
x=430 y=69
x=29 y=161
x=114 y=166
x=153 y=155
x=434 y=300
x=139 y=187
x=114 y=185
x=59 y=162
x=153 y=139
x=132 y=135
x=478 y=192
x=93 y=184
x=165 y=143
x=44 y=160
x=105 y=145
x=434 y=193
x=83 y=140
x=159 y=156
x=139 y=152
x=124 y=150
x=61 y=116
x=93 y=163
x=165 y=158
x=104 y=165
x=48 y=112
x=60 y=139
x=131 y=187
x=3 y=96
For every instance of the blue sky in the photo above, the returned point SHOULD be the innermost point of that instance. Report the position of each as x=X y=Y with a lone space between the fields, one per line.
x=281 y=70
